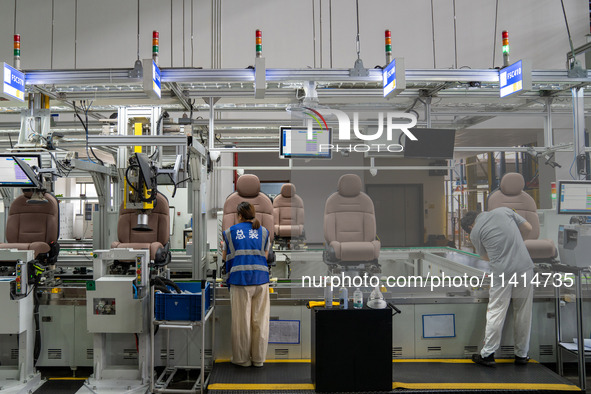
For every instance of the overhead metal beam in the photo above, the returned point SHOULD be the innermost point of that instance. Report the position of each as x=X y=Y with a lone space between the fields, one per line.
x=114 y=76
x=57 y=77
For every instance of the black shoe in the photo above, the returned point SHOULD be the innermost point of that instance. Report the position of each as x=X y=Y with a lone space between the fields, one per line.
x=521 y=360
x=488 y=361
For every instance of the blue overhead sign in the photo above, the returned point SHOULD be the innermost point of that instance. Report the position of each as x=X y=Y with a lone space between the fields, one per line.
x=13 y=85
x=393 y=77
x=514 y=78
x=152 y=79
x=389 y=76
x=156 y=86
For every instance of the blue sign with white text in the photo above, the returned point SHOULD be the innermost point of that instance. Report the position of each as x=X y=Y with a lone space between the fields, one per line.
x=13 y=86
x=389 y=77
x=156 y=84
x=511 y=79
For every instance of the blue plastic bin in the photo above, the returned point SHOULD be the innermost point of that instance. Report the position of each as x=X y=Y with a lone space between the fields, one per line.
x=174 y=306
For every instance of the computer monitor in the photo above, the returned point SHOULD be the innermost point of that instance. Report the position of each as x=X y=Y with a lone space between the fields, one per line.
x=430 y=144
x=574 y=197
x=11 y=173
x=294 y=143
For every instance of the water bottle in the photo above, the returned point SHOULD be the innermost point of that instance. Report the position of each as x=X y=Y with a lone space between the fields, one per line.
x=328 y=297
x=344 y=297
x=358 y=299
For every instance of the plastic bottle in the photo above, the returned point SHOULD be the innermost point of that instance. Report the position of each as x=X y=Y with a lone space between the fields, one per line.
x=344 y=298
x=328 y=297
x=376 y=299
x=358 y=299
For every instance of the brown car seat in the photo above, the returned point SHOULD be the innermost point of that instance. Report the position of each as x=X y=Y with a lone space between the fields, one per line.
x=288 y=213
x=34 y=227
x=248 y=188
x=511 y=195
x=154 y=239
x=350 y=224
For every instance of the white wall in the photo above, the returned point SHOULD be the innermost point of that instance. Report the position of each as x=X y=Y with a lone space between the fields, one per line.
x=433 y=189
x=100 y=34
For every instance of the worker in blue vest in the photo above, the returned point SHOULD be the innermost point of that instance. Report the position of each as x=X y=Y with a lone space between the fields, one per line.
x=245 y=250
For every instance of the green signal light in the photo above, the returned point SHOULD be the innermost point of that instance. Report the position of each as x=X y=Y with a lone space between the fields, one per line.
x=505 y=48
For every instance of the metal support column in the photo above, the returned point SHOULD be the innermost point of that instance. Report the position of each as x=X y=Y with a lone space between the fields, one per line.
x=471 y=182
x=580 y=336
x=428 y=111
x=211 y=135
x=198 y=170
x=548 y=133
x=492 y=172
x=211 y=138
x=579 y=132
x=557 y=325
x=450 y=197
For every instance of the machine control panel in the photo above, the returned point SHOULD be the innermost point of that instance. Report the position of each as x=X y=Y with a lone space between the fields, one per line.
x=138 y=268
x=21 y=278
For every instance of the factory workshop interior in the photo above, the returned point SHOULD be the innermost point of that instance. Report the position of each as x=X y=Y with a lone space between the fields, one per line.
x=294 y=196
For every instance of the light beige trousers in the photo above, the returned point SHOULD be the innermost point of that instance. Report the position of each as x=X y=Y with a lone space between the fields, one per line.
x=250 y=323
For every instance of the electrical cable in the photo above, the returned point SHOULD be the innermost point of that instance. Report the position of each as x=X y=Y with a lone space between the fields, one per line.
x=455 y=37
x=495 y=35
x=85 y=130
x=127 y=177
x=167 y=282
x=173 y=184
x=357 y=42
x=91 y=149
x=433 y=34
x=575 y=139
x=60 y=167
x=567 y=29
x=37 y=346
x=162 y=289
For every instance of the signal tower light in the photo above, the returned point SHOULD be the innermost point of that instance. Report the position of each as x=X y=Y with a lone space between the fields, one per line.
x=388 y=39
x=155 y=45
x=17 y=51
x=259 y=43
x=505 y=48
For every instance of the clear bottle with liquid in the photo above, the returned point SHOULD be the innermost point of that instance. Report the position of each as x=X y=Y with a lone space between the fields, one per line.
x=328 y=297
x=344 y=298
x=358 y=299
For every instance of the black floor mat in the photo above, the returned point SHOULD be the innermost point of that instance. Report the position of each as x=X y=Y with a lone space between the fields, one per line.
x=415 y=377
x=60 y=387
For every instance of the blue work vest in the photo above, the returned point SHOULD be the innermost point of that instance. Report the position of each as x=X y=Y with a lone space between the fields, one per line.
x=246 y=264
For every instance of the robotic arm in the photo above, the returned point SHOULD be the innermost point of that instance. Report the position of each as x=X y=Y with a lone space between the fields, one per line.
x=141 y=188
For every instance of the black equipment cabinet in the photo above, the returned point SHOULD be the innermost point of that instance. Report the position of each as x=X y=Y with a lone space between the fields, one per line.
x=352 y=349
